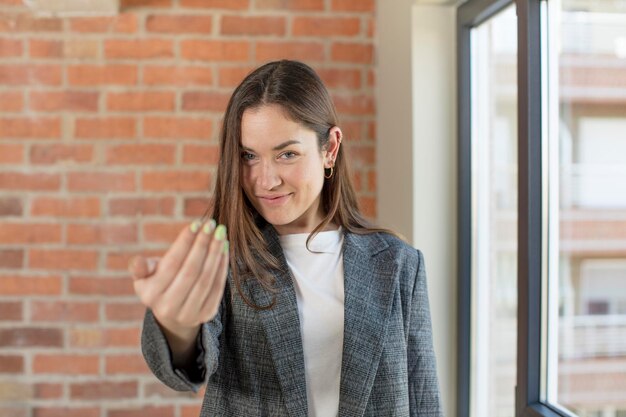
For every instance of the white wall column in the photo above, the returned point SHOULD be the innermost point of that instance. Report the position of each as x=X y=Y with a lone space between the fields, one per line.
x=416 y=153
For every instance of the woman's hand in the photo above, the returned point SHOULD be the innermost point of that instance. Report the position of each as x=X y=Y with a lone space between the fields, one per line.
x=185 y=287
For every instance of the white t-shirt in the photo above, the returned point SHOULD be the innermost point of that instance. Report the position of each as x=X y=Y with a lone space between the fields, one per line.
x=319 y=291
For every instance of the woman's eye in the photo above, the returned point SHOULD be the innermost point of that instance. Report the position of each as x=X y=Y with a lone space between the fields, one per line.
x=247 y=156
x=288 y=155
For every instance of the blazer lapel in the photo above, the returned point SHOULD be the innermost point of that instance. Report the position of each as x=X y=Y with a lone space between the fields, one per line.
x=282 y=329
x=369 y=286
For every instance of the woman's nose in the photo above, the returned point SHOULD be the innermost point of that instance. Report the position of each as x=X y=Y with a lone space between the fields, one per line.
x=268 y=176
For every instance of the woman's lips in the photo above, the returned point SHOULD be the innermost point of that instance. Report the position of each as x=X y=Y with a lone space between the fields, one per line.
x=273 y=201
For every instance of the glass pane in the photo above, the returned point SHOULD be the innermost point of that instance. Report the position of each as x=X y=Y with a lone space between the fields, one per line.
x=494 y=218
x=587 y=359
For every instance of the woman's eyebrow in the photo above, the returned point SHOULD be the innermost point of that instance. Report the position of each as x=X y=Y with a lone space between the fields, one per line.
x=277 y=147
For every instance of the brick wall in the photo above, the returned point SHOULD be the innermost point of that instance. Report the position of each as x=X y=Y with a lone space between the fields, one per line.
x=108 y=147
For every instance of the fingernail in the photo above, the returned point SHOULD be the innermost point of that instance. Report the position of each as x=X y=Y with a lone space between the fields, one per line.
x=195 y=226
x=226 y=245
x=209 y=227
x=220 y=232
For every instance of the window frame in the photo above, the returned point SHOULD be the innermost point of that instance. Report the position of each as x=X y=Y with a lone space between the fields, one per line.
x=528 y=398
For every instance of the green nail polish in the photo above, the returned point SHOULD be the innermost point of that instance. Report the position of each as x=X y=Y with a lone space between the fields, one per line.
x=226 y=245
x=209 y=227
x=195 y=226
x=220 y=232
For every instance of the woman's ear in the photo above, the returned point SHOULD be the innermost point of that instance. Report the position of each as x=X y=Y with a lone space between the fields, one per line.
x=332 y=147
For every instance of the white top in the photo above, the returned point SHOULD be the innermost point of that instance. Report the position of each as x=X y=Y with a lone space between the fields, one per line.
x=320 y=295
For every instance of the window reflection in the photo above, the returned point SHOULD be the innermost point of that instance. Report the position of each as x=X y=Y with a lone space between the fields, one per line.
x=592 y=215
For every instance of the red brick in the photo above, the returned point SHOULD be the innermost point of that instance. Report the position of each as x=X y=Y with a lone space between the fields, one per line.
x=253 y=25
x=365 y=155
x=139 y=4
x=290 y=4
x=341 y=78
x=371 y=78
x=196 y=207
x=371 y=180
x=179 y=24
x=66 y=207
x=176 y=181
x=29 y=233
x=141 y=101
x=305 y=51
x=175 y=127
x=205 y=101
x=101 y=390
x=126 y=336
x=126 y=364
x=59 y=411
x=122 y=23
x=101 y=181
x=11 y=206
x=353 y=5
x=30 y=285
x=96 y=75
x=11 y=154
x=60 y=259
x=11 y=258
x=68 y=364
x=326 y=26
x=178 y=76
x=368 y=206
x=124 y=312
x=212 y=51
x=11 y=48
x=33 y=182
x=85 y=337
x=162 y=232
x=11 y=101
x=10 y=310
x=11 y=364
x=40 y=48
x=353 y=52
x=371 y=27
x=102 y=286
x=163 y=206
x=28 y=22
x=190 y=410
x=52 y=154
x=361 y=105
x=31 y=74
x=199 y=154
x=232 y=76
x=30 y=337
x=106 y=128
x=63 y=100
x=64 y=311
x=141 y=154
x=357 y=181
x=152 y=411
x=44 y=391
x=138 y=49
x=31 y=127
x=371 y=130
x=81 y=48
x=101 y=234
x=216 y=4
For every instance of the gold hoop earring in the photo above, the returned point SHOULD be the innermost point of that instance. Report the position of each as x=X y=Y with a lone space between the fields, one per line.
x=329 y=175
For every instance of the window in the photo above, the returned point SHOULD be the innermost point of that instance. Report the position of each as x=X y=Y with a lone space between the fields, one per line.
x=547 y=168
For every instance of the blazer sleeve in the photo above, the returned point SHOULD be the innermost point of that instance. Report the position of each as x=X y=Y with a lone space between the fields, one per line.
x=158 y=356
x=424 y=397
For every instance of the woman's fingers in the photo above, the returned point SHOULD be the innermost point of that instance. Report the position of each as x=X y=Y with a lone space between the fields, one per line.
x=191 y=268
x=209 y=307
x=209 y=274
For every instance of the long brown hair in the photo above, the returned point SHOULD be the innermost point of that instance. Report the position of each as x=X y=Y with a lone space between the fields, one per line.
x=301 y=93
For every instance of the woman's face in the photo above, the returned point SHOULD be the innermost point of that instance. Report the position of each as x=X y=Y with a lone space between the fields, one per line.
x=283 y=169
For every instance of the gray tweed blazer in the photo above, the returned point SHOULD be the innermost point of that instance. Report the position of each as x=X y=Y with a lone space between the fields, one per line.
x=253 y=364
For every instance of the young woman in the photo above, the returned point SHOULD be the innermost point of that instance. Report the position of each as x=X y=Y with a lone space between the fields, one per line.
x=306 y=309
